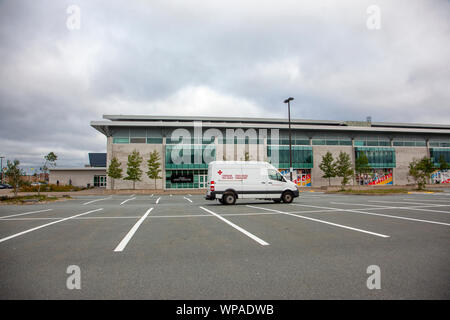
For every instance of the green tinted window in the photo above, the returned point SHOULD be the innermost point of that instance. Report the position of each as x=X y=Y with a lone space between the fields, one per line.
x=302 y=157
x=345 y=142
x=137 y=140
x=121 y=140
x=437 y=153
x=155 y=140
x=319 y=142
x=378 y=157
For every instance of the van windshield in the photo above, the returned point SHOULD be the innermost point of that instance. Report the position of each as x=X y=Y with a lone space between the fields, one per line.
x=275 y=175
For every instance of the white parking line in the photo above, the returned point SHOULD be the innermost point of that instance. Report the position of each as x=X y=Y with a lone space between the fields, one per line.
x=130 y=234
x=157 y=200
x=412 y=208
x=127 y=200
x=377 y=214
x=22 y=214
x=434 y=200
x=404 y=202
x=81 y=218
x=46 y=225
x=375 y=207
x=326 y=222
x=248 y=234
x=89 y=202
x=188 y=199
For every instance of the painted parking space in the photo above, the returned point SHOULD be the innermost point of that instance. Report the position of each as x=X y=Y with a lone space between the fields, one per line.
x=302 y=247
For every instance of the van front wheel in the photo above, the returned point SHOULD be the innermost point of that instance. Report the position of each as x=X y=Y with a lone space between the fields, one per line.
x=287 y=197
x=229 y=198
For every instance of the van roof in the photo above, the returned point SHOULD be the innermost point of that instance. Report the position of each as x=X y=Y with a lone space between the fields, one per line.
x=237 y=162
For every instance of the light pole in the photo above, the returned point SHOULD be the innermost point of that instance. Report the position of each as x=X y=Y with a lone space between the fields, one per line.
x=1 y=167
x=288 y=100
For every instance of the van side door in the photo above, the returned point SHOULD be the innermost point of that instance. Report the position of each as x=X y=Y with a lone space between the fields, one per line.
x=275 y=184
x=254 y=182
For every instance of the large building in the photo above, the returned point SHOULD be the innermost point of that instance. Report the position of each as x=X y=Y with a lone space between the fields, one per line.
x=188 y=144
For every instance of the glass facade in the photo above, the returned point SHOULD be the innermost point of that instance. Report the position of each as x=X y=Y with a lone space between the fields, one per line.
x=378 y=157
x=184 y=156
x=302 y=156
x=181 y=170
x=294 y=141
x=437 y=153
x=441 y=144
x=409 y=143
x=371 y=142
x=332 y=142
x=186 y=179
x=137 y=135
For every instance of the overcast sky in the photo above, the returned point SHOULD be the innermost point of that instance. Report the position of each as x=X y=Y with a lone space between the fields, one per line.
x=213 y=58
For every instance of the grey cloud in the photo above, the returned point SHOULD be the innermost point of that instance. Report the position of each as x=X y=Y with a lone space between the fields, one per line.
x=152 y=57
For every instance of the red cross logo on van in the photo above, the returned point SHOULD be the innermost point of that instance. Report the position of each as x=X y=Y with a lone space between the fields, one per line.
x=219 y=172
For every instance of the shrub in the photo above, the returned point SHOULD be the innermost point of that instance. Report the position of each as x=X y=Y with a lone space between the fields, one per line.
x=50 y=188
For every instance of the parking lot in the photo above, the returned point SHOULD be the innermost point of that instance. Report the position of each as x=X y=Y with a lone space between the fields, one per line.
x=184 y=247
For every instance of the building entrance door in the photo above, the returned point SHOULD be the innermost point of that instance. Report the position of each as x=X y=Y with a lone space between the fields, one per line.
x=202 y=181
x=99 y=181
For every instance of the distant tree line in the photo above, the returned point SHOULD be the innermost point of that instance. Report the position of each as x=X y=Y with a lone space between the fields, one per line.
x=419 y=169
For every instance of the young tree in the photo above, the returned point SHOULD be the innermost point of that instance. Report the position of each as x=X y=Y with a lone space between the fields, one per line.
x=49 y=160
x=443 y=165
x=246 y=156
x=362 y=164
x=428 y=167
x=154 y=166
x=328 y=167
x=114 y=170
x=344 y=168
x=14 y=174
x=134 y=172
x=417 y=174
x=420 y=171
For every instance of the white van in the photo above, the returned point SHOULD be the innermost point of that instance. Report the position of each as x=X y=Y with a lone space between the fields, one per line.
x=231 y=180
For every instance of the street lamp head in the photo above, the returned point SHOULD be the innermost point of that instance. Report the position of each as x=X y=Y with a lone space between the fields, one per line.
x=288 y=99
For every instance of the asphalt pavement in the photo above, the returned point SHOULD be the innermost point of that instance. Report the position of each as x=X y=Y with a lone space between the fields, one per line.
x=185 y=247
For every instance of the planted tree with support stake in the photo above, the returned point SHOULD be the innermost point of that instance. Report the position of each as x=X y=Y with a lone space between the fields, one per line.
x=154 y=165
x=14 y=174
x=362 y=164
x=49 y=160
x=344 y=168
x=443 y=165
x=328 y=167
x=114 y=171
x=134 y=172
x=421 y=170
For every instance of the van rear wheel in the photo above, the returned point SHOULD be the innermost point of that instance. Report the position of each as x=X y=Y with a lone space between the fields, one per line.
x=229 y=198
x=287 y=197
